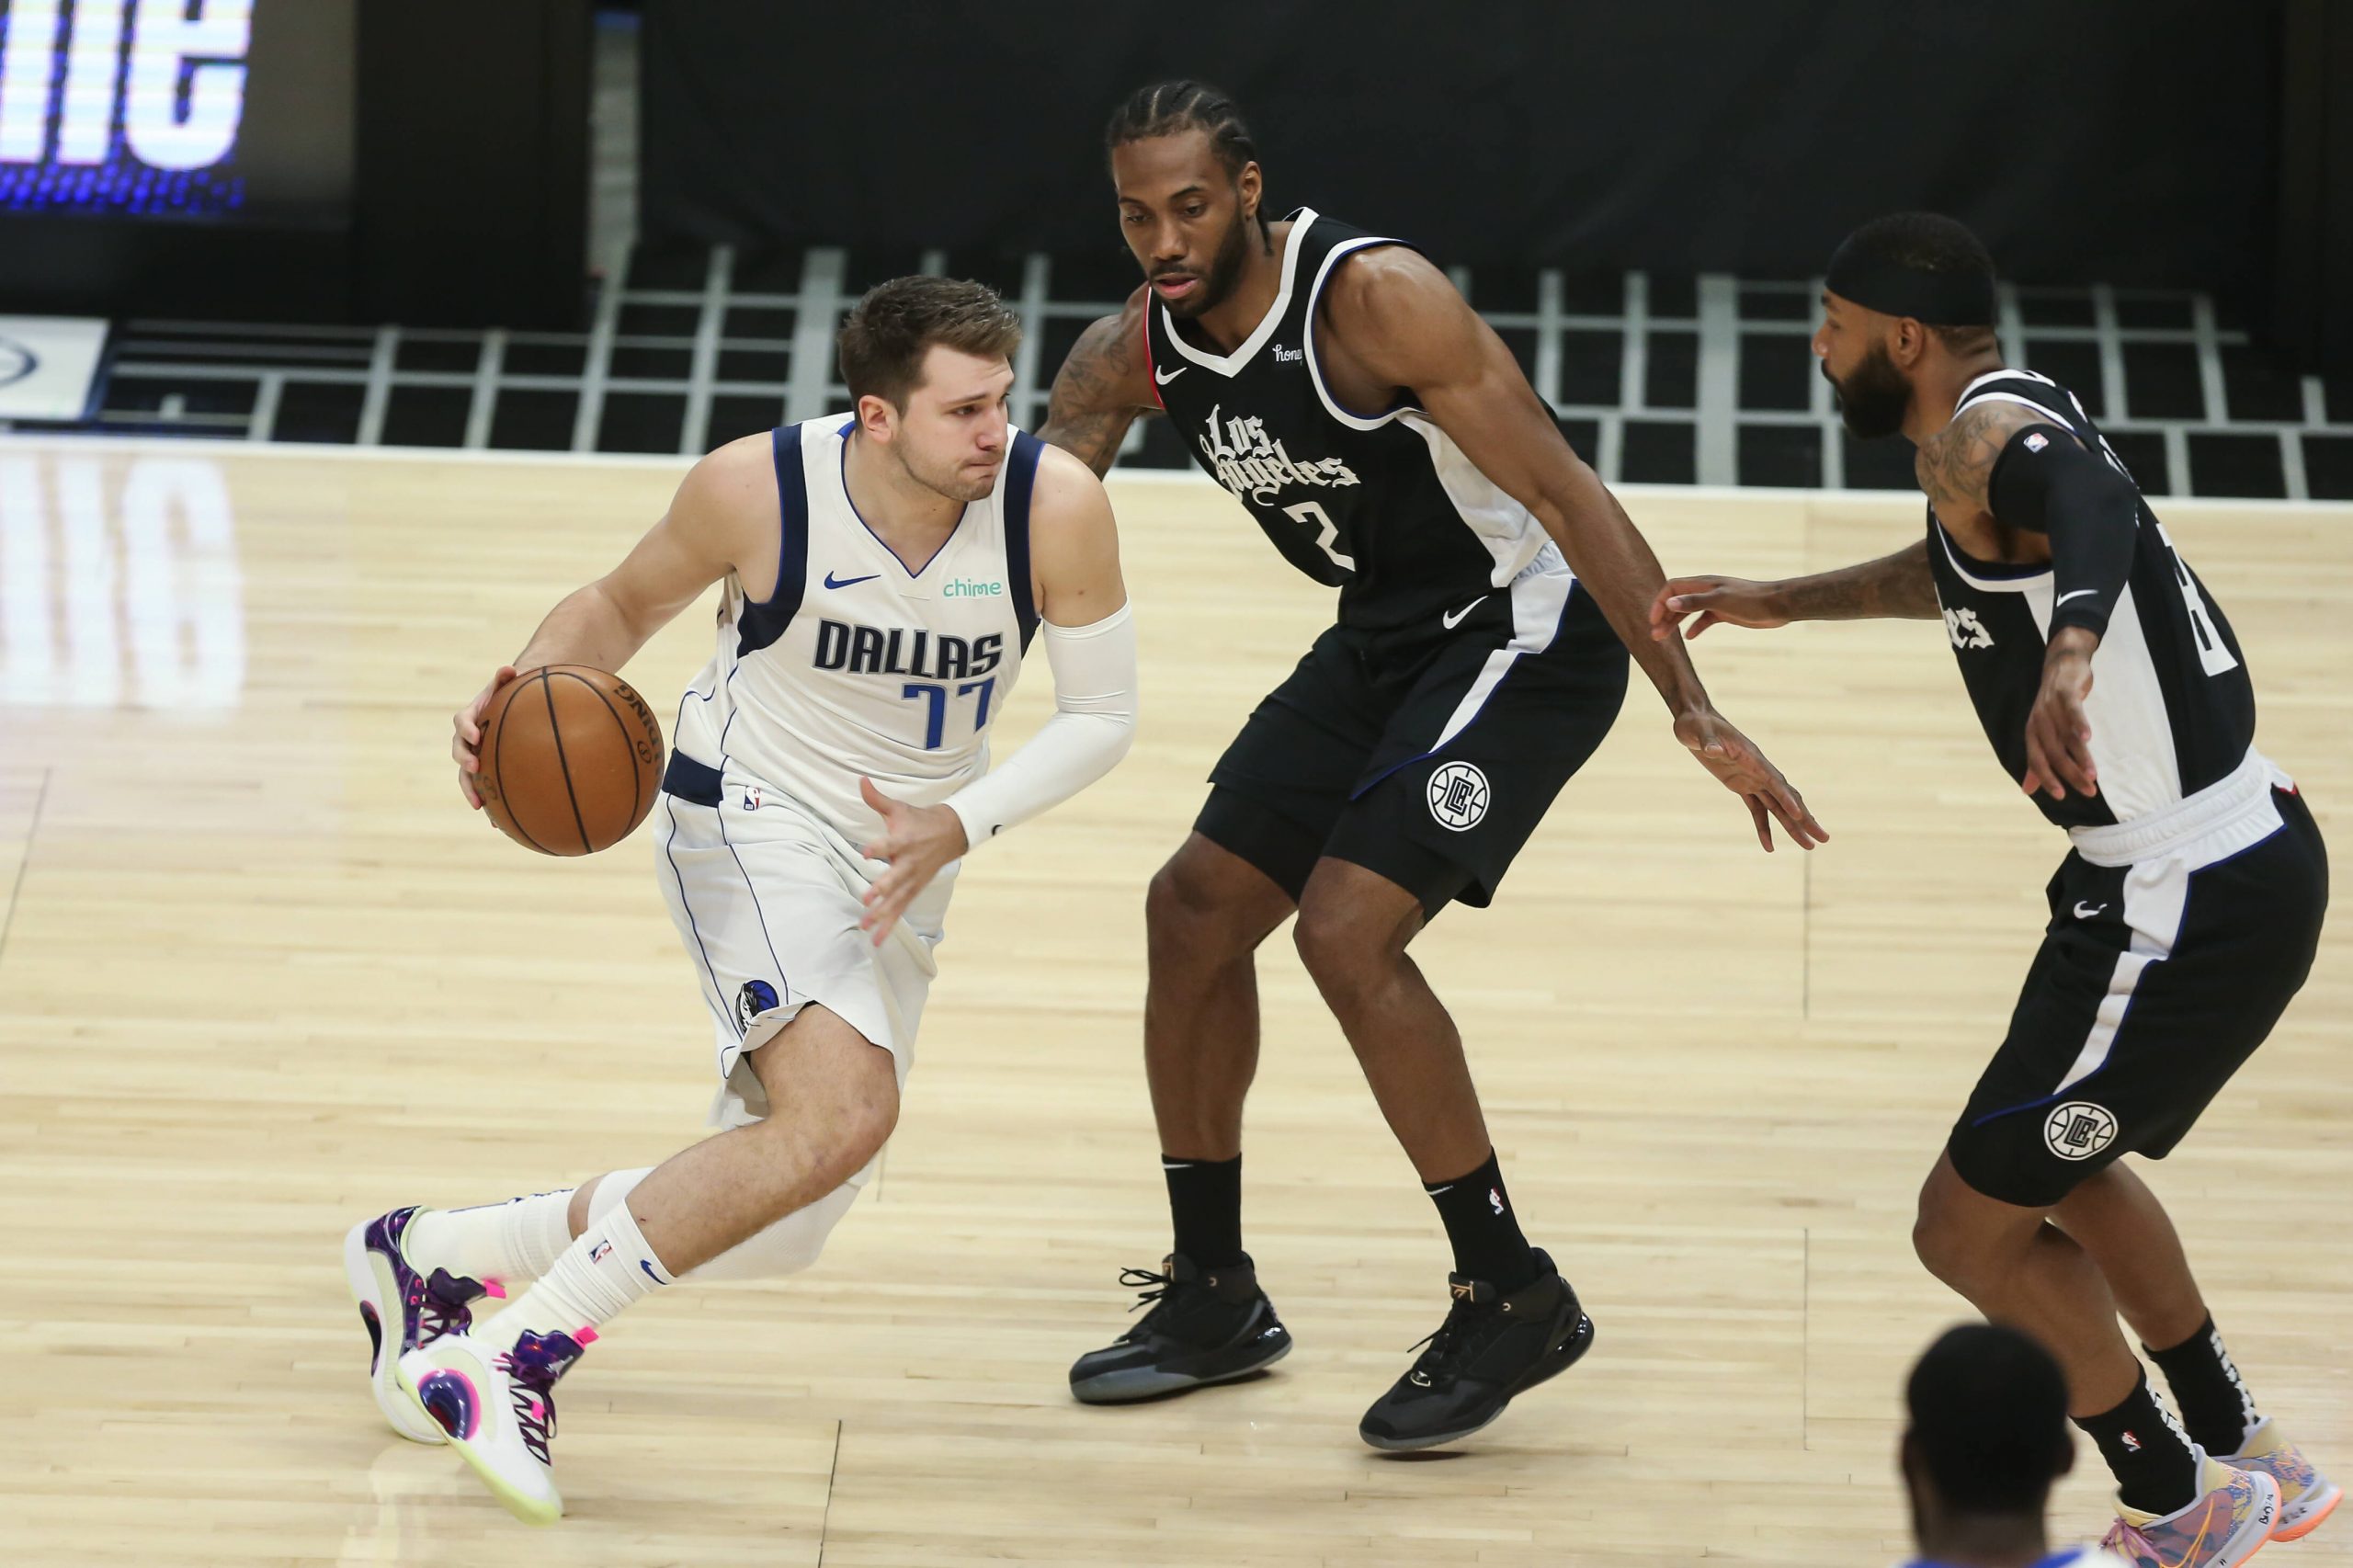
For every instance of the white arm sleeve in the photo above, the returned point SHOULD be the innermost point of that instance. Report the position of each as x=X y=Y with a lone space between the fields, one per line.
x=1094 y=722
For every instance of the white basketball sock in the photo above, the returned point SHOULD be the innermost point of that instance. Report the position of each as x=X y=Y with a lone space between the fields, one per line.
x=613 y=1186
x=508 y=1243
x=608 y=1268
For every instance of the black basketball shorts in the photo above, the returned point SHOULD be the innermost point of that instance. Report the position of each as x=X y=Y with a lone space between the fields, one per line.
x=2155 y=980
x=1431 y=764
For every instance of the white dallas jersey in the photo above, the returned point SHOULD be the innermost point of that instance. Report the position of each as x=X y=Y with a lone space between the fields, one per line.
x=860 y=663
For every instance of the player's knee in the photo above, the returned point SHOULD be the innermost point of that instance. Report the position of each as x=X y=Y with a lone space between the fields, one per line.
x=1343 y=951
x=859 y=1134
x=1932 y=1244
x=1945 y=1248
x=1186 y=913
x=849 y=1136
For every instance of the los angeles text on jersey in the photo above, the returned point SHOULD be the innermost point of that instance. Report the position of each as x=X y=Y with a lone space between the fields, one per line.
x=927 y=656
x=1249 y=464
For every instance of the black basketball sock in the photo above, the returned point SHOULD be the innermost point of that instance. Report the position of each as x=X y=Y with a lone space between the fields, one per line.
x=1477 y=1214
x=2215 y=1405
x=1205 y=1202
x=2150 y=1456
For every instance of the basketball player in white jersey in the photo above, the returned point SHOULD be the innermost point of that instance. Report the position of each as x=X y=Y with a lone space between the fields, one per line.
x=884 y=574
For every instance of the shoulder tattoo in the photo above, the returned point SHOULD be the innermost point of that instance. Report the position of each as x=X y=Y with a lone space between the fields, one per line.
x=1955 y=465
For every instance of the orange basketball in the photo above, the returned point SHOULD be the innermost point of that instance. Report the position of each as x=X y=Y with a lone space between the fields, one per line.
x=571 y=759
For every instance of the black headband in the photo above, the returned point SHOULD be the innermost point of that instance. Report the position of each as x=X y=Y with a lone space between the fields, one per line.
x=1933 y=299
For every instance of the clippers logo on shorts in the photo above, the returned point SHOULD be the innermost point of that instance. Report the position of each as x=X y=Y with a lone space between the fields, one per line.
x=2078 y=1129
x=756 y=997
x=1458 y=795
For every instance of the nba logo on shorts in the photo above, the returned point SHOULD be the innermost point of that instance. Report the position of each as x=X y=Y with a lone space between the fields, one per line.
x=1457 y=796
x=2078 y=1129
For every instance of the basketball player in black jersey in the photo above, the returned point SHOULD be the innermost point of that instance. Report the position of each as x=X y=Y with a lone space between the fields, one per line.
x=2184 y=920
x=1489 y=586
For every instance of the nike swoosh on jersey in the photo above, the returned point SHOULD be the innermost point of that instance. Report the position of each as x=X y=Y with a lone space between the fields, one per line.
x=1163 y=377
x=1454 y=619
x=2078 y=594
x=833 y=582
x=2085 y=912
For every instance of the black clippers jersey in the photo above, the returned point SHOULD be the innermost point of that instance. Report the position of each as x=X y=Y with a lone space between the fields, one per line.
x=2171 y=710
x=1382 y=506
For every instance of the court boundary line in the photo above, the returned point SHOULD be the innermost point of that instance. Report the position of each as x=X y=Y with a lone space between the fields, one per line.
x=32 y=832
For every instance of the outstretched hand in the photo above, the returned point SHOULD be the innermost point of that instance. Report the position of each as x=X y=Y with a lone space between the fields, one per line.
x=917 y=841
x=1728 y=601
x=1742 y=769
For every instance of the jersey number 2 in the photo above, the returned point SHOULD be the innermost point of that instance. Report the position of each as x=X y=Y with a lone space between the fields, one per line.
x=1326 y=531
x=936 y=711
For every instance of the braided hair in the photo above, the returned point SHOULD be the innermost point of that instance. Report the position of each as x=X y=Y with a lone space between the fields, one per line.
x=1167 y=108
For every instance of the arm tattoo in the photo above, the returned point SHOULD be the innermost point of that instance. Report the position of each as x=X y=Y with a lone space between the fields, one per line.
x=1955 y=465
x=1897 y=587
x=1089 y=412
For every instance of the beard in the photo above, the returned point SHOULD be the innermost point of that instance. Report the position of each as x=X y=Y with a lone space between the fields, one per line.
x=1873 y=400
x=1223 y=275
x=956 y=484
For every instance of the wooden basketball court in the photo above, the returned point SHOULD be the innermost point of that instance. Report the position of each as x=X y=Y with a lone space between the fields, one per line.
x=261 y=974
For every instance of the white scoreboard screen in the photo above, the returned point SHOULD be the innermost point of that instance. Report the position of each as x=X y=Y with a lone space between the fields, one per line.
x=210 y=109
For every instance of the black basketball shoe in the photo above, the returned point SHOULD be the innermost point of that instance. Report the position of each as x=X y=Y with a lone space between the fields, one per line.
x=1490 y=1347
x=1205 y=1327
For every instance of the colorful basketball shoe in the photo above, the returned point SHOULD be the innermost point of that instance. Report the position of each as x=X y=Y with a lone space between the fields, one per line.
x=402 y=1310
x=497 y=1410
x=2306 y=1496
x=2226 y=1525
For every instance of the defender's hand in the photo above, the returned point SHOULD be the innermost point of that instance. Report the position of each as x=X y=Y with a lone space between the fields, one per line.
x=1742 y=769
x=2057 y=736
x=1730 y=601
x=917 y=841
x=465 y=737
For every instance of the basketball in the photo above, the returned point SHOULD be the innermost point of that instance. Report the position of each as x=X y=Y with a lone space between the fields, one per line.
x=571 y=759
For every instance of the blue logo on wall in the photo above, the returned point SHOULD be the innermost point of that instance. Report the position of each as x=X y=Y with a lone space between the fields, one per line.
x=756 y=997
x=16 y=362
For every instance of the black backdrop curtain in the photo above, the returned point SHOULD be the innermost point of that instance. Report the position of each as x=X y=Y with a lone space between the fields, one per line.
x=2124 y=140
